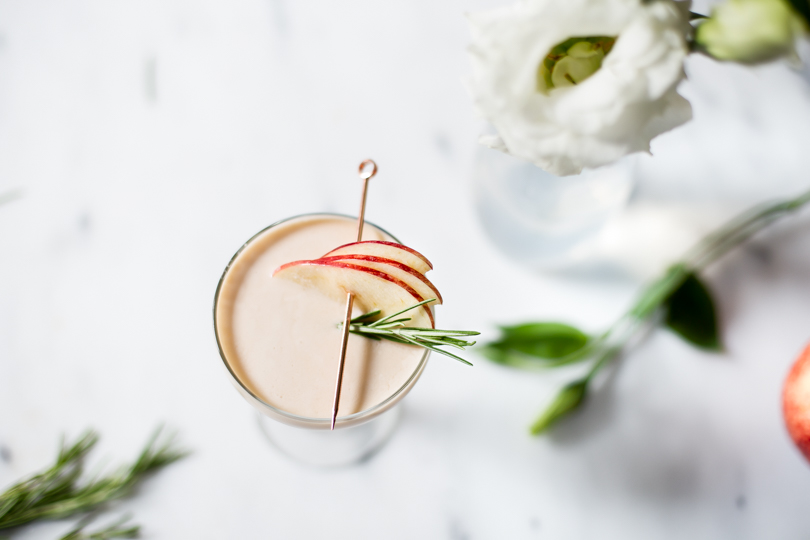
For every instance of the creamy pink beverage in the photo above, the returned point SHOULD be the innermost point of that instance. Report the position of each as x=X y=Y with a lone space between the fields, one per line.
x=280 y=340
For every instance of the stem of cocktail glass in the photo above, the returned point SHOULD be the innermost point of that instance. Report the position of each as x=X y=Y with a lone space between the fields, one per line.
x=365 y=174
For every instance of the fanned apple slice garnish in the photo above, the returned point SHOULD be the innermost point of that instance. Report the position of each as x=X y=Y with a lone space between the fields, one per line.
x=373 y=289
x=386 y=250
x=413 y=278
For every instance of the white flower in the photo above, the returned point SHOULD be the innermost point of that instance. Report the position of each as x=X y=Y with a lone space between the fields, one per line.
x=606 y=111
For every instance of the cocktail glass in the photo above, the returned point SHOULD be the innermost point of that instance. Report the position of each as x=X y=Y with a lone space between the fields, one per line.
x=306 y=439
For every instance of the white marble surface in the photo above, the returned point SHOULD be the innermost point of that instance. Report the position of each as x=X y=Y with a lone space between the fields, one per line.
x=149 y=139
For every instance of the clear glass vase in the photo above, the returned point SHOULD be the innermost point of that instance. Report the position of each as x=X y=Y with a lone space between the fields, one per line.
x=545 y=221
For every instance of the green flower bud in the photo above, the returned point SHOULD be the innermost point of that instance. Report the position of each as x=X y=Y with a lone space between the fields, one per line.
x=567 y=401
x=572 y=61
x=750 y=31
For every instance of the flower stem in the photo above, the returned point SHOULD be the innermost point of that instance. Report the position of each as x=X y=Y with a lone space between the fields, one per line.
x=699 y=257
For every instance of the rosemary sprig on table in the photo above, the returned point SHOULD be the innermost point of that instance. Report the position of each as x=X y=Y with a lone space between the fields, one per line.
x=117 y=529
x=679 y=299
x=59 y=491
x=393 y=328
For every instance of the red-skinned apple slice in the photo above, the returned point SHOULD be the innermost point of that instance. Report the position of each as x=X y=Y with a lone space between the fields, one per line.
x=413 y=278
x=373 y=289
x=386 y=250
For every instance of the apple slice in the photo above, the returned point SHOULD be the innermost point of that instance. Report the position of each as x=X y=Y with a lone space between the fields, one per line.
x=373 y=289
x=414 y=279
x=386 y=250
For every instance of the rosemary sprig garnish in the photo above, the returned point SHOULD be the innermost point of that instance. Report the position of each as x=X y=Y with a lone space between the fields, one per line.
x=393 y=328
x=59 y=492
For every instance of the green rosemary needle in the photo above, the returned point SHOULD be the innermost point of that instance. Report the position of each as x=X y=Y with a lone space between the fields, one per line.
x=393 y=328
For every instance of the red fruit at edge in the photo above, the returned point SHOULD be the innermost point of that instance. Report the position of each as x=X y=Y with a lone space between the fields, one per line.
x=796 y=402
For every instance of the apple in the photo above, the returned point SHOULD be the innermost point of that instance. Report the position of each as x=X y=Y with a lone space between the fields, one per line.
x=386 y=250
x=416 y=280
x=373 y=289
x=796 y=402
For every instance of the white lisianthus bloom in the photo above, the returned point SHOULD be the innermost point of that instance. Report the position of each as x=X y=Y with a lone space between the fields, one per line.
x=565 y=103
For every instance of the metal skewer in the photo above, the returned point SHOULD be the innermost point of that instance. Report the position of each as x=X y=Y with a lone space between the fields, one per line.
x=367 y=169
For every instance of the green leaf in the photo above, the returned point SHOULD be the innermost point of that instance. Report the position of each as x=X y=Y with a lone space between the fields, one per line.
x=523 y=344
x=567 y=401
x=691 y=314
x=544 y=340
x=506 y=357
x=518 y=360
x=802 y=7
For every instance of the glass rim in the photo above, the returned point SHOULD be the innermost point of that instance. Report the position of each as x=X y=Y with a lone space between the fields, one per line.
x=351 y=419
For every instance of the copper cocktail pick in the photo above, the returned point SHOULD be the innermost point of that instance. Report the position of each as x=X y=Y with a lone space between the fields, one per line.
x=367 y=169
